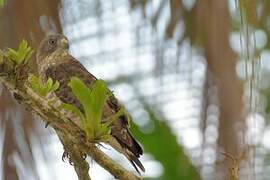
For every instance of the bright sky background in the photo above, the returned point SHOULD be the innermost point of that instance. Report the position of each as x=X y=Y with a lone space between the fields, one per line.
x=109 y=48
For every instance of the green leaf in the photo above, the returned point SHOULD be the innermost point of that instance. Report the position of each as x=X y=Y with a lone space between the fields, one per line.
x=35 y=82
x=49 y=83
x=55 y=86
x=46 y=88
x=11 y=54
x=99 y=95
x=83 y=94
x=89 y=130
x=103 y=134
x=105 y=130
x=40 y=88
x=93 y=100
x=114 y=117
x=73 y=109
x=20 y=56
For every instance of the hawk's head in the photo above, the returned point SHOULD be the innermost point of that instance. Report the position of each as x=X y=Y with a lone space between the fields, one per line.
x=51 y=44
x=51 y=51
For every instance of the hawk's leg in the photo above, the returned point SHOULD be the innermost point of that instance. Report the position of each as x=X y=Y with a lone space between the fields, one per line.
x=66 y=156
x=47 y=124
x=75 y=156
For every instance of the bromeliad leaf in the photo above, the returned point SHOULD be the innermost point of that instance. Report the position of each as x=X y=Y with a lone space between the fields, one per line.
x=73 y=109
x=55 y=86
x=83 y=94
x=20 y=56
x=114 y=117
x=40 y=88
x=93 y=100
x=34 y=82
x=99 y=95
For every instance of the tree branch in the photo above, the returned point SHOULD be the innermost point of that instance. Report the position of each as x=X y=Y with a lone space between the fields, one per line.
x=72 y=136
x=76 y=158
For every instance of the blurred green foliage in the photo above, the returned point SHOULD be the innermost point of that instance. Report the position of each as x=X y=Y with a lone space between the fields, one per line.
x=161 y=142
x=1 y=3
x=247 y=8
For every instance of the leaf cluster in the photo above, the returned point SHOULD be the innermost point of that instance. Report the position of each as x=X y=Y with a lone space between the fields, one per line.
x=21 y=55
x=93 y=100
x=40 y=88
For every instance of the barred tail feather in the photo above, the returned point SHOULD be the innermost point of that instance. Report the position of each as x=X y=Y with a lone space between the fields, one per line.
x=132 y=154
x=134 y=161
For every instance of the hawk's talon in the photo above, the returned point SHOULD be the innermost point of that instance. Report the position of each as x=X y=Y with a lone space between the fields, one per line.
x=84 y=156
x=65 y=156
x=70 y=162
x=47 y=124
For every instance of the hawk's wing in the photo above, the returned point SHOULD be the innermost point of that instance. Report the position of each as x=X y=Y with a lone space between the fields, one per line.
x=72 y=68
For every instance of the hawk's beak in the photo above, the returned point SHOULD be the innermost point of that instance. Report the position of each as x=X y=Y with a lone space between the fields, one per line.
x=64 y=43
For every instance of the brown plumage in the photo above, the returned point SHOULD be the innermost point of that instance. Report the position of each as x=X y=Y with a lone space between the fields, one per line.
x=55 y=62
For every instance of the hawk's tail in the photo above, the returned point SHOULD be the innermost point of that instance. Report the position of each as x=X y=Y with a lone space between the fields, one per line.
x=132 y=152
x=133 y=155
x=135 y=162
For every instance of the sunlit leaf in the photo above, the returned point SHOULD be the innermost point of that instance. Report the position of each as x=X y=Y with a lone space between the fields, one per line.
x=21 y=55
x=83 y=94
x=40 y=88
x=93 y=100
x=114 y=117
x=35 y=83
x=99 y=95
x=73 y=109
x=55 y=86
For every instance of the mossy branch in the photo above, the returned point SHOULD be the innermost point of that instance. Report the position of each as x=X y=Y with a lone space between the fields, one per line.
x=76 y=159
x=71 y=135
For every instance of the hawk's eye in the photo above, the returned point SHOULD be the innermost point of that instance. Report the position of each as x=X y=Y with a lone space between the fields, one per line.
x=52 y=42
